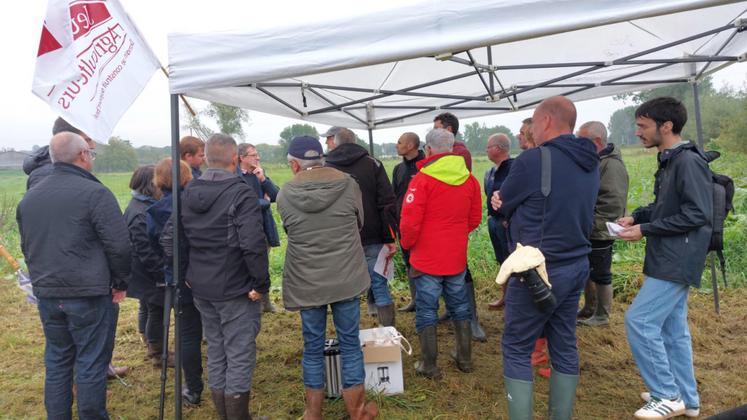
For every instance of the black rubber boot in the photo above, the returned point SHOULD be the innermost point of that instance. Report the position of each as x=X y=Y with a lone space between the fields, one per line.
x=428 y=353
x=386 y=315
x=462 y=353
x=237 y=406
x=219 y=403
x=478 y=334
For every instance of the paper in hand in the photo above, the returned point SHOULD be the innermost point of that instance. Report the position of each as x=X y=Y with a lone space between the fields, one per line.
x=384 y=264
x=614 y=229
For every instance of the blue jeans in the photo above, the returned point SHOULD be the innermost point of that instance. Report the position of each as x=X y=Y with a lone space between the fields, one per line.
x=379 y=285
x=346 y=316
x=77 y=333
x=524 y=323
x=656 y=325
x=499 y=238
x=429 y=288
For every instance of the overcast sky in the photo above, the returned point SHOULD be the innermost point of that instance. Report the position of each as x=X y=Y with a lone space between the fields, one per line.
x=26 y=120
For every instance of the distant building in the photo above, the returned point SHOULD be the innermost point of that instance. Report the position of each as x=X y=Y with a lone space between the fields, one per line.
x=12 y=159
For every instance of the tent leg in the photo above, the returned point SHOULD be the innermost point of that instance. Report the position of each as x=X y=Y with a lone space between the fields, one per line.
x=370 y=141
x=176 y=212
x=698 y=122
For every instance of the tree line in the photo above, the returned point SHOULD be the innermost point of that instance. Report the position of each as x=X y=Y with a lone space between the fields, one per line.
x=723 y=111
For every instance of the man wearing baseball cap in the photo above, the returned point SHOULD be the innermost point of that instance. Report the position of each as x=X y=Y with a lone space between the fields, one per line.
x=322 y=212
x=330 y=137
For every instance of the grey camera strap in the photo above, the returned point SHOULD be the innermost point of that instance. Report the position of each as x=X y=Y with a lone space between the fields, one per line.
x=545 y=184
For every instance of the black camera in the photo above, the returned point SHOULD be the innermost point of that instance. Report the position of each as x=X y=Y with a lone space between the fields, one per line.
x=542 y=296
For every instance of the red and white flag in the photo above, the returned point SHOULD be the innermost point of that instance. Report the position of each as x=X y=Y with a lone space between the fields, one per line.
x=92 y=63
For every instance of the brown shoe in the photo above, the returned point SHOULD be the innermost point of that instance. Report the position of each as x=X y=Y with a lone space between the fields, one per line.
x=497 y=305
x=314 y=399
x=356 y=404
x=155 y=353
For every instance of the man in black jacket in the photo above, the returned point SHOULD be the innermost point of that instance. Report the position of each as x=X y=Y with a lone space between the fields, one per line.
x=408 y=146
x=77 y=247
x=677 y=227
x=228 y=273
x=378 y=211
x=38 y=165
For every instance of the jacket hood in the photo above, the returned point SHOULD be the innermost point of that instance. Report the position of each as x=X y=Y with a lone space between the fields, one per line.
x=202 y=194
x=143 y=198
x=39 y=158
x=580 y=150
x=447 y=168
x=313 y=191
x=346 y=154
x=610 y=152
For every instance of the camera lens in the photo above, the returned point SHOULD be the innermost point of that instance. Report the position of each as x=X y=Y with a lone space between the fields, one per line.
x=542 y=296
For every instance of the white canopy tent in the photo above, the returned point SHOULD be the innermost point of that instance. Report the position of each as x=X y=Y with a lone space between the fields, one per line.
x=480 y=57
x=404 y=66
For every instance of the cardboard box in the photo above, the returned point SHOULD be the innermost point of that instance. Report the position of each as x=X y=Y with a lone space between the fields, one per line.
x=382 y=358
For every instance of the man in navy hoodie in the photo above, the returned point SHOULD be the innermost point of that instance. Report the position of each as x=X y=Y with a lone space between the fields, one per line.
x=559 y=225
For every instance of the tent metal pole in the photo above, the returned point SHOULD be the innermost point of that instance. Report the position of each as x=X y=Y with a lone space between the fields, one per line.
x=490 y=63
x=399 y=92
x=708 y=64
x=273 y=96
x=698 y=121
x=176 y=212
x=482 y=79
x=370 y=142
x=329 y=101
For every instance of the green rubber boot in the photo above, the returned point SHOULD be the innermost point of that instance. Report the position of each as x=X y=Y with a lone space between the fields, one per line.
x=520 y=396
x=562 y=395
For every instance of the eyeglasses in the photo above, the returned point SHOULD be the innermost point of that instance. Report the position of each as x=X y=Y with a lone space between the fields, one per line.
x=91 y=153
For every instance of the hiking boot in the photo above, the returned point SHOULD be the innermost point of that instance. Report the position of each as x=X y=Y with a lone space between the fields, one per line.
x=155 y=353
x=689 y=412
x=410 y=307
x=428 y=353
x=314 y=400
x=116 y=371
x=661 y=409
x=462 y=353
x=267 y=306
x=219 y=402
x=357 y=406
x=191 y=399
x=386 y=315
x=590 y=301
x=237 y=406
x=601 y=316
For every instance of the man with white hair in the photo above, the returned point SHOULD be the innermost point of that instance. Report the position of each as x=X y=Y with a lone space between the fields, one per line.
x=441 y=207
x=611 y=203
x=77 y=247
x=498 y=149
x=322 y=212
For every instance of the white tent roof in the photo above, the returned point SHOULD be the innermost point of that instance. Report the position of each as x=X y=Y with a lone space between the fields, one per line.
x=403 y=66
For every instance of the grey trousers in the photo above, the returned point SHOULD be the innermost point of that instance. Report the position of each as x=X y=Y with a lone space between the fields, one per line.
x=231 y=329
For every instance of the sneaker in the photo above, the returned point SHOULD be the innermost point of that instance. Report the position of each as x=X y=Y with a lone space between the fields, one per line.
x=689 y=412
x=661 y=409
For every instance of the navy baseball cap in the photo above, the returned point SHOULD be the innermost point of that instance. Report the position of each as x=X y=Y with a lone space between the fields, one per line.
x=305 y=147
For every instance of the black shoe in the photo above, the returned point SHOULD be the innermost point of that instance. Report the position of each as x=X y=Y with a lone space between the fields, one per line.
x=190 y=398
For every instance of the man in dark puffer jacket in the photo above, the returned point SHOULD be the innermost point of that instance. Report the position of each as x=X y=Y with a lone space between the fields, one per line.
x=77 y=247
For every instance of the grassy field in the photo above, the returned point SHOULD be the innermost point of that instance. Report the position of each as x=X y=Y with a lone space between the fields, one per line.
x=609 y=383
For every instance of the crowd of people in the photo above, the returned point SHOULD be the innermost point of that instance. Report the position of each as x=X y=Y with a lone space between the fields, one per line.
x=559 y=196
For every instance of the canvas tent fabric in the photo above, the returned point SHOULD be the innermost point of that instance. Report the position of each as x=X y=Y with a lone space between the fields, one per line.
x=404 y=66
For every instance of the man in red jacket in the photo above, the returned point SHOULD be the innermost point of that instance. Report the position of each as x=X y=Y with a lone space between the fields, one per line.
x=441 y=207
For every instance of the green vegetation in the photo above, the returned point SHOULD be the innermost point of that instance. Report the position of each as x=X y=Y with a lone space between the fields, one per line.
x=610 y=382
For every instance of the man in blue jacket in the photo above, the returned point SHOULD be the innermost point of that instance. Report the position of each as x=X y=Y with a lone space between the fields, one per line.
x=559 y=224
x=677 y=227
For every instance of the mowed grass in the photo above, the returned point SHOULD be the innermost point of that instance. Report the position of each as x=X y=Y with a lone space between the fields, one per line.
x=609 y=380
